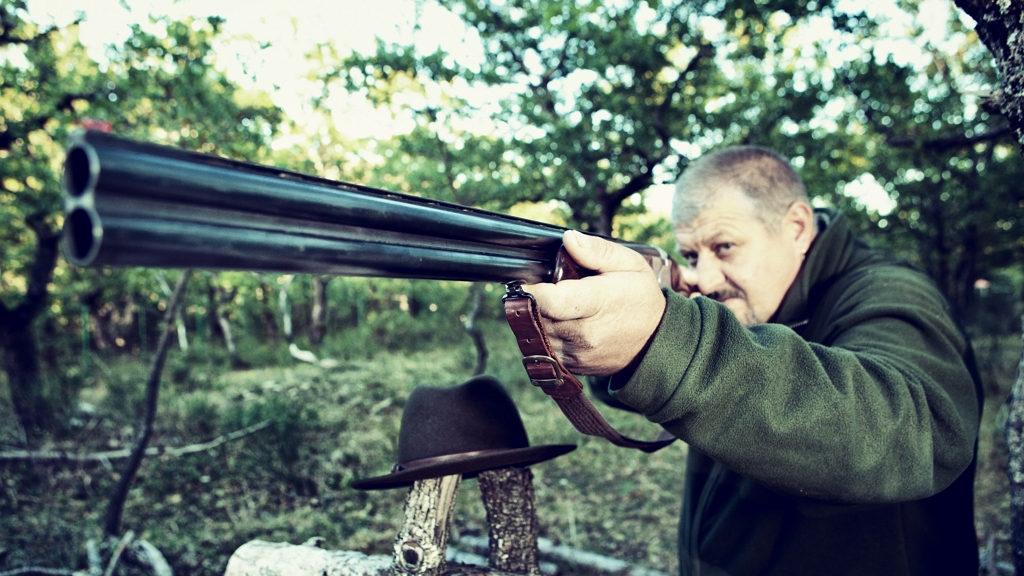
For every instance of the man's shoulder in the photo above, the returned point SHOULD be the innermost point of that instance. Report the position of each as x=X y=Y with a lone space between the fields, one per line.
x=880 y=274
x=881 y=285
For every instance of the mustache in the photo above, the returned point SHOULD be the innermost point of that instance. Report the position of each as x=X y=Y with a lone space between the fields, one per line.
x=727 y=293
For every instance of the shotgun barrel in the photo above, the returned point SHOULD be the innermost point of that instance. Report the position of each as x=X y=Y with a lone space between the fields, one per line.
x=130 y=203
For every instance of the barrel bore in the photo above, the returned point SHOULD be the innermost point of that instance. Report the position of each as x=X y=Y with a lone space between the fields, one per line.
x=79 y=237
x=77 y=172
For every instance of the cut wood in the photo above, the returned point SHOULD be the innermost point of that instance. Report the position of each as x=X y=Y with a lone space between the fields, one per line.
x=511 y=519
x=259 y=558
x=567 y=557
x=422 y=540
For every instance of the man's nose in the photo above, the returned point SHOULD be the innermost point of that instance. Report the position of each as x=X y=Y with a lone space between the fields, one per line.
x=711 y=277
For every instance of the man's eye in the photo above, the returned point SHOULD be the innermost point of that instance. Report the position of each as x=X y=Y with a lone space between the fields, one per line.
x=724 y=248
x=691 y=258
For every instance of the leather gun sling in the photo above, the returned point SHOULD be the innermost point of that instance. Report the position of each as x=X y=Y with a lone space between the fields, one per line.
x=547 y=372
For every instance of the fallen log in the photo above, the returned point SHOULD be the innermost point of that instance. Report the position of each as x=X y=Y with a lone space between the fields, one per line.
x=259 y=558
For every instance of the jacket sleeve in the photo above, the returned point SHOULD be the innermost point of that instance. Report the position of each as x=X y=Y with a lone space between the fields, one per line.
x=886 y=411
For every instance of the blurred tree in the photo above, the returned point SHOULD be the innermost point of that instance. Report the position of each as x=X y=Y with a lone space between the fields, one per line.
x=946 y=161
x=600 y=100
x=160 y=87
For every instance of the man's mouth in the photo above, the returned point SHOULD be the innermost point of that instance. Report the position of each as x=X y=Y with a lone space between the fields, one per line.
x=724 y=295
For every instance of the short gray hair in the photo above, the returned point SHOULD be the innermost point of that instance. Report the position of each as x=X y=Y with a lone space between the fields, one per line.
x=765 y=176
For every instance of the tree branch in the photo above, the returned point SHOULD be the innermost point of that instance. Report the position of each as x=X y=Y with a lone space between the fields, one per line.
x=112 y=518
x=101 y=457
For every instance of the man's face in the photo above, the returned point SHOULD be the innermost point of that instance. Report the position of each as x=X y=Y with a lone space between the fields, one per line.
x=738 y=260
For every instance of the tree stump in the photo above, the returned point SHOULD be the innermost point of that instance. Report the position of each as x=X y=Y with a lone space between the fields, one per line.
x=511 y=519
x=423 y=538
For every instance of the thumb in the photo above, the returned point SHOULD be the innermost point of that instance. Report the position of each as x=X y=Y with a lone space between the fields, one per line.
x=600 y=255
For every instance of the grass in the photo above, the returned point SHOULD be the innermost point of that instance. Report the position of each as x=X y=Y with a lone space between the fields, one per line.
x=289 y=482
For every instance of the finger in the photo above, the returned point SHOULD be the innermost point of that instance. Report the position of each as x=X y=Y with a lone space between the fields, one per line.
x=567 y=300
x=601 y=255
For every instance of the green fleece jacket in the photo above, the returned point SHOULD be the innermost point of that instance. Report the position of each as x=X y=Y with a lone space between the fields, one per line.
x=838 y=439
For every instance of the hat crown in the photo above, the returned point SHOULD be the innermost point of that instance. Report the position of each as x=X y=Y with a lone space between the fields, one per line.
x=475 y=416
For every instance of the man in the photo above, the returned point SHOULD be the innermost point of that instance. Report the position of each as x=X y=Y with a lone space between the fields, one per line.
x=829 y=400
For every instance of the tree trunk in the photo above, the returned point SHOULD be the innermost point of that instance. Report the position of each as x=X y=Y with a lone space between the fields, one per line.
x=267 y=309
x=511 y=519
x=115 y=507
x=21 y=362
x=1000 y=25
x=476 y=295
x=219 y=298
x=286 y=309
x=318 y=317
x=179 y=318
x=1014 y=431
x=21 y=352
x=423 y=539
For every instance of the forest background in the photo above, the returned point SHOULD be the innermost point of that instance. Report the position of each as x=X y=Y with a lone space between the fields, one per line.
x=576 y=113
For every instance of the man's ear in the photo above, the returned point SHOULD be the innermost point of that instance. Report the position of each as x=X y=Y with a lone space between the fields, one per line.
x=798 y=225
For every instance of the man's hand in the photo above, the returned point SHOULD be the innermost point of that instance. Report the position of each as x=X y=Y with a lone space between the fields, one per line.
x=599 y=324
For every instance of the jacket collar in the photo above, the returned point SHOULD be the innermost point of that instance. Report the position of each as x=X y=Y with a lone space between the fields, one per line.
x=832 y=252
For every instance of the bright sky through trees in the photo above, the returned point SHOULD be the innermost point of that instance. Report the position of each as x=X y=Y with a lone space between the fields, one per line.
x=265 y=46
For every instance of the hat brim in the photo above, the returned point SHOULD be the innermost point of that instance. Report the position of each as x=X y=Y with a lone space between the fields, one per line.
x=468 y=467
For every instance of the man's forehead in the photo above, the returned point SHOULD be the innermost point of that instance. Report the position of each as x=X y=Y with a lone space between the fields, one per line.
x=727 y=212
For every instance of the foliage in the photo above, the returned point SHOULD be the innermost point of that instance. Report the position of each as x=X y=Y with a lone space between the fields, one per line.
x=600 y=100
x=949 y=165
x=289 y=483
x=157 y=86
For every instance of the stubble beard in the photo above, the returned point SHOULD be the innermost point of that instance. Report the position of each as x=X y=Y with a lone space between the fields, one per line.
x=747 y=317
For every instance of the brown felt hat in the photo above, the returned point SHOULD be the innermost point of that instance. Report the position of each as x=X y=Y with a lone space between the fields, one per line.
x=462 y=429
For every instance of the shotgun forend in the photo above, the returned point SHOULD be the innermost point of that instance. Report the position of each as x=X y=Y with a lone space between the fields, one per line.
x=129 y=203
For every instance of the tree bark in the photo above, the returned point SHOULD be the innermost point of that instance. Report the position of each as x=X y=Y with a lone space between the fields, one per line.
x=286 y=309
x=1000 y=25
x=18 y=339
x=179 y=318
x=476 y=295
x=318 y=316
x=423 y=539
x=511 y=519
x=219 y=298
x=112 y=517
x=259 y=558
x=1014 y=432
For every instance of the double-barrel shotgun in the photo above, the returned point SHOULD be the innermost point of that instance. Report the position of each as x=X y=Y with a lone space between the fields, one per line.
x=129 y=203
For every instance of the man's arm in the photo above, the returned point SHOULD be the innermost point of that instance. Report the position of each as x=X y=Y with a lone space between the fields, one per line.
x=886 y=412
